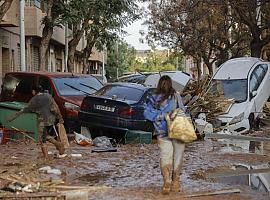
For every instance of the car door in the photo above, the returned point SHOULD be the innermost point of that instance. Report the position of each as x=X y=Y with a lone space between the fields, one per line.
x=259 y=83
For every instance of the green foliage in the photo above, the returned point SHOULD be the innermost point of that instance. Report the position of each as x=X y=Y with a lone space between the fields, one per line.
x=121 y=56
x=159 y=61
x=99 y=20
x=126 y=59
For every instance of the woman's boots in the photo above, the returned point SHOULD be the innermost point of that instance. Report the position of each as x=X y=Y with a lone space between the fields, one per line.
x=168 y=183
x=175 y=186
x=166 y=179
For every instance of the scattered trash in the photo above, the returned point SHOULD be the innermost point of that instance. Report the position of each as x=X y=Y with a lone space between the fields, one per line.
x=203 y=126
x=61 y=156
x=82 y=140
x=18 y=187
x=50 y=170
x=85 y=132
x=54 y=171
x=101 y=149
x=102 y=141
x=44 y=168
x=76 y=155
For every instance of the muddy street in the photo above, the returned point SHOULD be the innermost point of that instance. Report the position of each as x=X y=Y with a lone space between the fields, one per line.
x=133 y=171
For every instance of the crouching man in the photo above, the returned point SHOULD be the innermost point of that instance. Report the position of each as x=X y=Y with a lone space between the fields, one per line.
x=48 y=115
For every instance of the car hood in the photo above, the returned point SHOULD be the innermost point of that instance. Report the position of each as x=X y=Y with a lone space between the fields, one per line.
x=77 y=100
x=235 y=110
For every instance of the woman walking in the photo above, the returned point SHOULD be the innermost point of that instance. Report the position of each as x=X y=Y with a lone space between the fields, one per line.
x=163 y=102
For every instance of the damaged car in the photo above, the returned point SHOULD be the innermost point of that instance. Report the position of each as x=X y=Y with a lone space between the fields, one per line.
x=117 y=106
x=246 y=82
x=67 y=89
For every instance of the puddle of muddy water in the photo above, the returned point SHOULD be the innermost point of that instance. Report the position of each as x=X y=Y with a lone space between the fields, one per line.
x=246 y=175
x=245 y=146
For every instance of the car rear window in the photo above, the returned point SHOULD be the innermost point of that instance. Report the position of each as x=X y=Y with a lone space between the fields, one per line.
x=120 y=92
x=77 y=86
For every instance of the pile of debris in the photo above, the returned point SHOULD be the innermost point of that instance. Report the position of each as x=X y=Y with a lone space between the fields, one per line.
x=198 y=101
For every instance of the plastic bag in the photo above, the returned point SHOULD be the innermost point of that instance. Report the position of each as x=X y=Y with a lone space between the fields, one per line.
x=82 y=140
x=102 y=141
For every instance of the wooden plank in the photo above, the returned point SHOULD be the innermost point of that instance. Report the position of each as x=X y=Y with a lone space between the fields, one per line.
x=63 y=135
x=23 y=133
x=236 y=137
x=71 y=187
x=230 y=191
x=237 y=173
x=57 y=196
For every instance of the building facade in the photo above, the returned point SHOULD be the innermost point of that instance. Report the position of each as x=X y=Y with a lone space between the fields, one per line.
x=10 y=43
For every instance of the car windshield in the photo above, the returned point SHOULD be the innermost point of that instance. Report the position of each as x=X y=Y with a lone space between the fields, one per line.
x=229 y=89
x=120 y=92
x=76 y=86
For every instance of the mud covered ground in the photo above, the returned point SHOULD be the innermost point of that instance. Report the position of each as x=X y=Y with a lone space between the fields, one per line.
x=130 y=173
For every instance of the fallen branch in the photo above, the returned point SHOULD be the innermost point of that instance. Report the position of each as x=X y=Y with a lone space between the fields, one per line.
x=230 y=191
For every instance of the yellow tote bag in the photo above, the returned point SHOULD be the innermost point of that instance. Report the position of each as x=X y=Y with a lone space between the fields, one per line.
x=180 y=127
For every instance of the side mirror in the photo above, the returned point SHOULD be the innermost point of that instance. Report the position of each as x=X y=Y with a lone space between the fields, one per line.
x=253 y=94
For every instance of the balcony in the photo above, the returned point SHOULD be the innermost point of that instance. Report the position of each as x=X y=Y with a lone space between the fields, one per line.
x=12 y=17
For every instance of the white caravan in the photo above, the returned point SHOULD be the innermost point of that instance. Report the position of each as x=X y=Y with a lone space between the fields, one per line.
x=247 y=81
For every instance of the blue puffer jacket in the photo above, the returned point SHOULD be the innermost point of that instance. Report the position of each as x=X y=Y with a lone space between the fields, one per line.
x=157 y=115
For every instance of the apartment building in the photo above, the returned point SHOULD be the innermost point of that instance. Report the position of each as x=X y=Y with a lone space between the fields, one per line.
x=10 y=43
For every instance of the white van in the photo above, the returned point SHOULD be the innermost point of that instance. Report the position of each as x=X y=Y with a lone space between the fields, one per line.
x=247 y=81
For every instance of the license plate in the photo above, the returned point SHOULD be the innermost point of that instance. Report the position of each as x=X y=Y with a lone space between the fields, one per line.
x=105 y=108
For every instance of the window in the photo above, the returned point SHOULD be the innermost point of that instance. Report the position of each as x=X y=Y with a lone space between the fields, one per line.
x=253 y=84
x=257 y=77
x=25 y=85
x=120 y=92
x=76 y=85
x=229 y=89
x=45 y=83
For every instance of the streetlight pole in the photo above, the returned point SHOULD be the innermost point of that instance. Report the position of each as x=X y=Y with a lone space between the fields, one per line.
x=22 y=35
x=103 y=63
x=66 y=47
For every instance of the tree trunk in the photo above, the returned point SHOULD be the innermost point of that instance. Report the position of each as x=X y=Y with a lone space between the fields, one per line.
x=44 y=46
x=209 y=67
x=46 y=35
x=199 y=71
x=71 y=55
x=86 y=54
x=87 y=51
x=4 y=8
x=77 y=35
x=256 y=48
x=72 y=49
x=85 y=65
